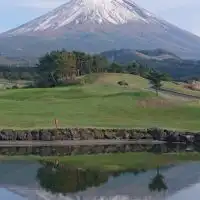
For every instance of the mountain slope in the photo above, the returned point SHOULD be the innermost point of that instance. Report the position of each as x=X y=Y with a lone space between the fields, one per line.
x=159 y=59
x=98 y=25
x=128 y=55
x=87 y=12
x=84 y=12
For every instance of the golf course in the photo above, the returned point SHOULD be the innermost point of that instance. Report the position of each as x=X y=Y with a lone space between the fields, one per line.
x=99 y=102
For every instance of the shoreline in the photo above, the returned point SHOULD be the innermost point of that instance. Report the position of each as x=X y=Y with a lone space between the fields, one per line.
x=76 y=143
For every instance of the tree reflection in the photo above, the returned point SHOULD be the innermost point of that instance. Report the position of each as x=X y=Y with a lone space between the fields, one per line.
x=157 y=183
x=60 y=179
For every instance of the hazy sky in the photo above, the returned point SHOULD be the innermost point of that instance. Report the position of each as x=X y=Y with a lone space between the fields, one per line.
x=184 y=13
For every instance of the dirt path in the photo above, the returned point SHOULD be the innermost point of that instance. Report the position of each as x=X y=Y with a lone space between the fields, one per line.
x=170 y=93
x=179 y=94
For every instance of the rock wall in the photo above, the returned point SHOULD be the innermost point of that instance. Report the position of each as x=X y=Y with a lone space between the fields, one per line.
x=94 y=133
x=73 y=134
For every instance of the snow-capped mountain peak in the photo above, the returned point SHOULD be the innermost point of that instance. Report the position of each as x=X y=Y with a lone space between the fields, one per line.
x=96 y=26
x=76 y=12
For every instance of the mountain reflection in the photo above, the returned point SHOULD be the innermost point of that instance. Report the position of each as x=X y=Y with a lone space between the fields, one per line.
x=60 y=179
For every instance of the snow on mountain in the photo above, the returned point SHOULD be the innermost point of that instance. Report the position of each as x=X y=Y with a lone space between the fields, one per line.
x=76 y=12
x=96 y=26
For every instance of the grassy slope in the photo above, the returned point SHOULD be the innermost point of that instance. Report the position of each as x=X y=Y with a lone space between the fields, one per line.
x=180 y=88
x=101 y=104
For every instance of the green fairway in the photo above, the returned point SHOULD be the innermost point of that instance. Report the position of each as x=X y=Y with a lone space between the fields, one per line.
x=101 y=104
x=133 y=81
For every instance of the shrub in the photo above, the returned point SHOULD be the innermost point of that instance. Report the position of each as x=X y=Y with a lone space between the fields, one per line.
x=122 y=83
x=90 y=78
x=42 y=83
x=15 y=87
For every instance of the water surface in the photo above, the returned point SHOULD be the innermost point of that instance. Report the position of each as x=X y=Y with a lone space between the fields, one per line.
x=22 y=180
x=28 y=180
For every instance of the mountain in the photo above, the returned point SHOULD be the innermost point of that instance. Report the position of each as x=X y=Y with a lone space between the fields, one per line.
x=125 y=56
x=96 y=26
x=13 y=61
x=160 y=59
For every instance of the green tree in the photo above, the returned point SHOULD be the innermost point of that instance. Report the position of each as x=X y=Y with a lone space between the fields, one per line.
x=156 y=80
x=57 y=66
x=115 y=67
x=166 y=77
x=66 y=69
x=132 y=68
x=81 y=59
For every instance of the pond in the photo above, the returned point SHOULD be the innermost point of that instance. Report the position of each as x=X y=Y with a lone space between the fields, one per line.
x=32 y=180
x=22 y=180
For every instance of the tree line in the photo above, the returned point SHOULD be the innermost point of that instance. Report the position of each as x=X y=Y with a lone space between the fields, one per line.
x=62 y=67
x=18 y=73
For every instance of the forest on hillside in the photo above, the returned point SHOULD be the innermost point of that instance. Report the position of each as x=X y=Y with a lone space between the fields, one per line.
x=113 y=61
x=72 y=63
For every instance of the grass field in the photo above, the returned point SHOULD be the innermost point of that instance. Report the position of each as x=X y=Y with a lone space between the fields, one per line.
x=101 y=104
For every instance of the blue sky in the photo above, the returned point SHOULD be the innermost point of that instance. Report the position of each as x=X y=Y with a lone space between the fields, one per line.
x=184 y=13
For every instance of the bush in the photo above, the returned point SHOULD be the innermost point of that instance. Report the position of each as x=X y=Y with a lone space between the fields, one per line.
x=15 y=87
x=42 y=83
x=90 y=78
x=122 y=83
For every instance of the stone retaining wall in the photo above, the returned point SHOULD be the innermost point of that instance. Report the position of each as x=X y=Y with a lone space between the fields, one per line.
x=94 y=133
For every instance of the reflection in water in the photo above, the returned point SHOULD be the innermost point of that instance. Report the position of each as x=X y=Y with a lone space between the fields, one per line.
x=6 y=195
x=64 y=180
x=77 y=150
x=158 y=183
x=60 y=179
x=45 y=181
